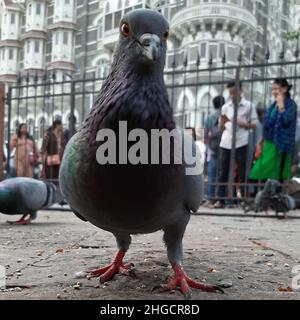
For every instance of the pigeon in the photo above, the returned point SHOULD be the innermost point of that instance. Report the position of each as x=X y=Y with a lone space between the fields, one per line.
x=124 y=198
x=26 y=196
x=264 y=197
x=272 y=198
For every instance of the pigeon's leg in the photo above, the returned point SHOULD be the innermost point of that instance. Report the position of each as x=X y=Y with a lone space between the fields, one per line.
x=117 y=266
x=173 y=236
x=21 y=222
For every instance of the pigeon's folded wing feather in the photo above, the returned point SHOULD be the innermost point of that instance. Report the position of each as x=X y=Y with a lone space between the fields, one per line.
x=193 y=180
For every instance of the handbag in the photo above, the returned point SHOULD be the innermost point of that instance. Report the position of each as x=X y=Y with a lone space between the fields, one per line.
x=33 y=159
x=53 y=160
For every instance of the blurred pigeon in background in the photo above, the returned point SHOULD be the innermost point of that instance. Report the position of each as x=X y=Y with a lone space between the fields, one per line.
x=26 y=196
x=127 y=199
x=272 y=198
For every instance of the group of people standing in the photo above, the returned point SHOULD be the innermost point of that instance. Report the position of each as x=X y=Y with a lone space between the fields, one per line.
x=26 y=156
x=262 y=150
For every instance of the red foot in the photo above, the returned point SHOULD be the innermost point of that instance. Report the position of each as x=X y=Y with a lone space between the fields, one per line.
x=21 y=222
x=117 y=266
x=181 y=281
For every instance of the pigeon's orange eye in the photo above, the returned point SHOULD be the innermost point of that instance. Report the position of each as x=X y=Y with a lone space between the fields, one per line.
x=167 y=35
x=125 y=29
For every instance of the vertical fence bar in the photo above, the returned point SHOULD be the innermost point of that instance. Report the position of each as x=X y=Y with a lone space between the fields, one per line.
x=296 y=65
x=72 y=110
x=236 y=103
x=173 y=83
x=8 y=100
x=197 y=89
x=62 y=89
x=218 y=164
x=36 y=87
x=210 y=64
x=2 y=95
x=266 y=71
x=185 y=63
x=252 y=135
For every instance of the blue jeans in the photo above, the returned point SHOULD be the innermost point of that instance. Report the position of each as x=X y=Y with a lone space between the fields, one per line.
x=212 y=178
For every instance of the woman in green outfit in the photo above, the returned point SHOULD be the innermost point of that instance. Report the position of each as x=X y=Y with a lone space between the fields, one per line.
x=278 y=149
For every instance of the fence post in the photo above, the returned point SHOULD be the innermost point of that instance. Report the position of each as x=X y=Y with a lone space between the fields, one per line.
x=72 y=127
x=236 y=103
x=2 y=95
x=8 y=102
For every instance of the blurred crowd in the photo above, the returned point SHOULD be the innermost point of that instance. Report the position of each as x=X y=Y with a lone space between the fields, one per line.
x=248 y=148
x=26 y=159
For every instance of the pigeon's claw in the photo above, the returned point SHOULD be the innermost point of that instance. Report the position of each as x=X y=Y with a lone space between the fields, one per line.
x=182 y=282
x=22 y=222
x=116 y=267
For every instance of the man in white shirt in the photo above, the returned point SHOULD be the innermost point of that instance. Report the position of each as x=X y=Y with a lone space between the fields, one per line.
x=246 y=121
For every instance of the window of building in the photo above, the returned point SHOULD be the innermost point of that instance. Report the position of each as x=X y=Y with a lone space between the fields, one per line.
x=118 y=17
x=38 y=8
x=56 y=38
x=108 y=22
x=221 y=50
x=66 y=37
x=100 y=29
x=193 y=54
x=102 y=68
x=127 y=3
x=203 y=50
x=107 y=8
x=213 y=51
x=36 y=46
x=11 y=54
x=13 y=18
x=29 y=9
x=67 y=1
x=232 y=54
x=3 y=54
x=120 y=4
x=28 y=46
x=128 y=10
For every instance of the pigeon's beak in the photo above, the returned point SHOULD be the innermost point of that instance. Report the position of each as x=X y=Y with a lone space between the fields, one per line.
x=151 y=46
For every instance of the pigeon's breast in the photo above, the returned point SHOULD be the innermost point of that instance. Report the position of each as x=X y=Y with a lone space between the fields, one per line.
x=122 y=198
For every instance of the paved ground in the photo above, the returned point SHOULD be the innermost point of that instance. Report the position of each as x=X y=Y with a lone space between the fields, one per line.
x=254 y=255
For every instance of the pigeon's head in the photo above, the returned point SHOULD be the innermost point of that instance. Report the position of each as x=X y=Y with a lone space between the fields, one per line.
x=143 y=39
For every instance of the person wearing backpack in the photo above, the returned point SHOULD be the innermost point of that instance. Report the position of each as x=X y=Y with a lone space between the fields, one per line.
x=212 y=140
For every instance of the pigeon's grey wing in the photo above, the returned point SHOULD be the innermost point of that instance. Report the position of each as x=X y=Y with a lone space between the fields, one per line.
x=33 y=193
x=193 y=180
x=194 y=186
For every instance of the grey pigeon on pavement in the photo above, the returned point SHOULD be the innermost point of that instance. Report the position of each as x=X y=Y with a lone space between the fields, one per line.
x=272 y=198
x=128 y=199
x=25 y=196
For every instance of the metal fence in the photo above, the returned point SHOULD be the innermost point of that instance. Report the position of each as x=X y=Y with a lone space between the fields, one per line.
x=38 y=101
